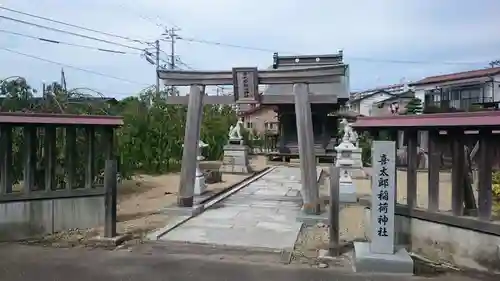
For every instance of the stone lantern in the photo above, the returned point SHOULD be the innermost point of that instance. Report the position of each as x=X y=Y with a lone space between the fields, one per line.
x=349 y=159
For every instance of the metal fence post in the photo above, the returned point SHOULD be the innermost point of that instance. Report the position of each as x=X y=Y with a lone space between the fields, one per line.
x=334 y=211
x=110 y=185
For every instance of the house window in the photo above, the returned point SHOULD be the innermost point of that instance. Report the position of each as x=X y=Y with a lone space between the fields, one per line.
x=270 y=125
x=249 y=125
x=433 y=97
x=470 y=96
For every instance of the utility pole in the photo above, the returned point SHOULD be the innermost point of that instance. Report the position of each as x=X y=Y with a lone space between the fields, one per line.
x=63 y=80
x=44 y=90
x=157 y=45
x=170 y=33
x=172 y=48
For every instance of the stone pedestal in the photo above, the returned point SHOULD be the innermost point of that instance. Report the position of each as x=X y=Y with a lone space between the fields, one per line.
x=235 y=159
x=366 y=260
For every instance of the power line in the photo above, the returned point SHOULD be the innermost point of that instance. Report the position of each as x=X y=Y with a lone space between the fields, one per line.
x=350 y=58
x=73 y=67
x=232 y=45
x=161 y=51
x=184 y=64
x=197 y=40
x=413 y=61
x=71 y=33
x=66 y=43
x=179 y=61
x=149 y=19
x=75 y=26
x=146 y=18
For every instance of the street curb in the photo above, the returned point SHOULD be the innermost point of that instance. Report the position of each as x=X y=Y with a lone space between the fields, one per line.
x=282 y=256
x=110 y=241
x=171 y=225
x=237 y=188
x=219 y=193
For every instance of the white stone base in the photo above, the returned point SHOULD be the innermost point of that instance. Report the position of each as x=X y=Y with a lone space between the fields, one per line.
x=365 y=261
x=358 y=173
x=235 y=160
x=199 y=185
x=347 y=193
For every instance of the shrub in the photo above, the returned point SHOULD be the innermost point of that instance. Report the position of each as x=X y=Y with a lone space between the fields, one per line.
x=414 y=107
x=496 y=185
x=150 y=140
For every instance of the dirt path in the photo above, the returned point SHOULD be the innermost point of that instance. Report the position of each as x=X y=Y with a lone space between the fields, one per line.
x=143 y=197
x=352 y=227
x=363 y=188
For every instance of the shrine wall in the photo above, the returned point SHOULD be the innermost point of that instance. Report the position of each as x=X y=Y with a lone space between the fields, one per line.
x=27 y=219
x=439 y=242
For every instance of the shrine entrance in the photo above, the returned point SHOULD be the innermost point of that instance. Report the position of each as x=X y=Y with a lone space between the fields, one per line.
x=245 y=82
x=330 y=96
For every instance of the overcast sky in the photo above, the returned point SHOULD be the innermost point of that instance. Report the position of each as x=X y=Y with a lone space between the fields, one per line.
x=376 y=35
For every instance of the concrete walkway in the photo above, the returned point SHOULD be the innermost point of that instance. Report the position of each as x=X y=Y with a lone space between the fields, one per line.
x=261 y=215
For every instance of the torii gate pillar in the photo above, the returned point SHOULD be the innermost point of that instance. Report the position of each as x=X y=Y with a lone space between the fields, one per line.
x=246 y=81
x=190 y=151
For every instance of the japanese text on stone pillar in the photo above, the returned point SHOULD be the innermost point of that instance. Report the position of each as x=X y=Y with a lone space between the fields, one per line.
x=383 y=196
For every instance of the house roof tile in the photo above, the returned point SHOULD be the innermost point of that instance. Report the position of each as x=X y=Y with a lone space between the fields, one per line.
x=458 y=76
x=372 y=94
x=379 y=88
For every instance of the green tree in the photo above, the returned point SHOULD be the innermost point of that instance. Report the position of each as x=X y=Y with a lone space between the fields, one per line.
x=16 y=95
x=413 y=107
x=150 y=140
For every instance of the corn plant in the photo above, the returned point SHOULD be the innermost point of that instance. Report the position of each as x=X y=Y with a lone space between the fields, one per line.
x=149 y=142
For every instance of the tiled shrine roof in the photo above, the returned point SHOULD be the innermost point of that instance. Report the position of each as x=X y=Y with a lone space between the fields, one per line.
x=59 y=119
x=427 y=121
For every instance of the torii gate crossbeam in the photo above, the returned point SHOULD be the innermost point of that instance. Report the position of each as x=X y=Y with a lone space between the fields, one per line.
x=245 y=82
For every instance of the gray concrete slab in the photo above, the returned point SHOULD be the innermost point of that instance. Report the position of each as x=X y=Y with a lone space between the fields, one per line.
x=260 y=215
x=366 y=261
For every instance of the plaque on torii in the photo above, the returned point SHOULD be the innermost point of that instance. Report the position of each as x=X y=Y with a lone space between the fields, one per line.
x=246 y=85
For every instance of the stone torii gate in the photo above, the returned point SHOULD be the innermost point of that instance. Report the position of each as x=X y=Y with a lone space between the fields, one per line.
x=245 y=82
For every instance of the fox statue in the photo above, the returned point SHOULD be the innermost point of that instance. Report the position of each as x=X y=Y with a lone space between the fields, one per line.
x=235 y=131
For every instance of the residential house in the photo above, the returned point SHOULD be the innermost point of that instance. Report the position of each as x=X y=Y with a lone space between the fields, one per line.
x=260 y=119
x=362 y=102
x=393 y=105
x=460 y=90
